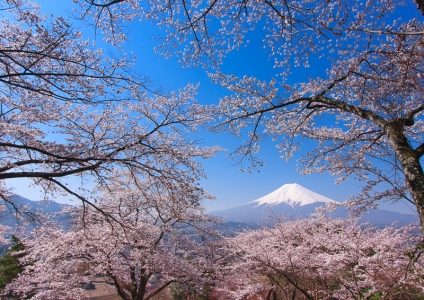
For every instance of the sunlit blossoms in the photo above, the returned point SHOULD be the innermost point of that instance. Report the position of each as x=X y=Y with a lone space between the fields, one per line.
x=325 y=258
x=363 y=109
x=71 y=110
x=144 y=232
x=67 y=111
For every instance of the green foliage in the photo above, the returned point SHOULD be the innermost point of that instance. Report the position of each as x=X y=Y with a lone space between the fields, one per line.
x=9 y=264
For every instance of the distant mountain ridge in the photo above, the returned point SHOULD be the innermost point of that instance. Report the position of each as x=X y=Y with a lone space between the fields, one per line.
x=290 y=200
x=294 y=201
x=8 y=217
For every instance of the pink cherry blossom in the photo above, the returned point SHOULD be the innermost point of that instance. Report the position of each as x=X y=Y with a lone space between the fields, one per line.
x=141 y=232
x=326 y=258
x=362 y=112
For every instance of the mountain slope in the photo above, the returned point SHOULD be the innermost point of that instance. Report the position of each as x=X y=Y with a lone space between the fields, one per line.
x=292 y=194
x=29 y=207
x=294 y=201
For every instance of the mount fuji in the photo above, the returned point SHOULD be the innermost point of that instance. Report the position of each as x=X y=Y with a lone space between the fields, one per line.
x=292 y=194
x=294 y=201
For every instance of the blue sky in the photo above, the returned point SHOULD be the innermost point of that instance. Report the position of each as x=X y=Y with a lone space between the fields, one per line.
x=231 y=186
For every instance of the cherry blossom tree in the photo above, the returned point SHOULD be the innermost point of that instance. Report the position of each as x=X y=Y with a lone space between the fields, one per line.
x=143 y=232
x=325 y=258
x=69 y=110
x=363 y=111
x=3 y=231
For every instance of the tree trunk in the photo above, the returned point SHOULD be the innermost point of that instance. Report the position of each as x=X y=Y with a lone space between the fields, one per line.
x=141 y=287
x=410 y=162
x=272 y=295
x=119 y=288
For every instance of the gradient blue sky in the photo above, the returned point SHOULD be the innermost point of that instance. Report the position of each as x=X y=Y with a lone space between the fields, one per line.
x=230 y=186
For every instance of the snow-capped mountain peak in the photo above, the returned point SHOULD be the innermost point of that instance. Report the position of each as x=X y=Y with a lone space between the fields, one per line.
x=292 y=194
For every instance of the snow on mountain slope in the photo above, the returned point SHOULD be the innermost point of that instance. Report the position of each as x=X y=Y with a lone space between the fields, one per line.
x=292 y=194
x=295 y=201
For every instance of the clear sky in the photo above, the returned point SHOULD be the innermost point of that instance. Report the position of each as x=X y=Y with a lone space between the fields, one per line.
x=230 y=186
